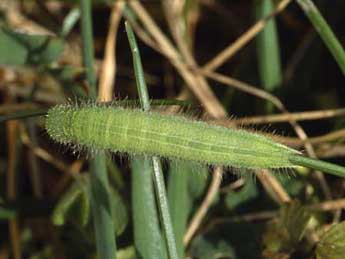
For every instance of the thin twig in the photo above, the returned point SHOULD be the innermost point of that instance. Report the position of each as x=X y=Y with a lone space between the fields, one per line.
x=199 y=88
x=108 y=71
x=14 y=232
x=174 y=17
x=297 y=142
x=202 y=210
x=246 y=37
x=297 y=116
x=266 y=215
x=273 y=187
x=267 y=96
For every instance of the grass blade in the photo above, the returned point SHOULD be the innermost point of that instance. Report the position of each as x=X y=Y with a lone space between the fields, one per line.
x=88 y=50
x=158 y=175
x=138 y=70
x=268 y=50
x=179 y=201
x=318 y=165
x=164 y=208
x=101 y=208
x=23 y=114
x=324 y=31
x=100 y=197
x=147 y=235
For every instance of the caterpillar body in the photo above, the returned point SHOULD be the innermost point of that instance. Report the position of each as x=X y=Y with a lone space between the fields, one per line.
x=136 y=132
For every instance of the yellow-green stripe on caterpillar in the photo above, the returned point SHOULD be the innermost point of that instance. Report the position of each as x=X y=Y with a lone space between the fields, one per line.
x=137 y=132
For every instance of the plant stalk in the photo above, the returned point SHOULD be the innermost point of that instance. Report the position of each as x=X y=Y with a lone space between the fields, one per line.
x=157 y=169
x=318 y=165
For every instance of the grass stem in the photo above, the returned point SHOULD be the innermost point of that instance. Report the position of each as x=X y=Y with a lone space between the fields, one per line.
x=88 y=50
x=158 y=174
x=318 y=165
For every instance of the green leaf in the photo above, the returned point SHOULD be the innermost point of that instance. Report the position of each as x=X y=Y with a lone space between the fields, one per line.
x=17 y=49
x=332 y=243
x=74 y=204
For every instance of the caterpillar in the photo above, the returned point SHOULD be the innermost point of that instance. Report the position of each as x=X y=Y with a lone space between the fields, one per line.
x=135 y=132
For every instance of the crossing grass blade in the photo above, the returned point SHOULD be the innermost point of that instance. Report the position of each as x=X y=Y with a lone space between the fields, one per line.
x=158 y=178
x=23 y=114
x=268 y=53
x=100 y=196
x=147 y=235
x=325 y=32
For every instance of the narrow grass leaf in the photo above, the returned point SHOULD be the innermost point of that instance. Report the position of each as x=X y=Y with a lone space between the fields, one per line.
x=267 y=47
x=148 y=240
x=179 y=201
x=101 y=207
x=158 y=178
x=23 y=114
x=325 y=32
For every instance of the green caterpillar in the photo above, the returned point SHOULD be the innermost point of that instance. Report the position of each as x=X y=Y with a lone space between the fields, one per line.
x=137 y=132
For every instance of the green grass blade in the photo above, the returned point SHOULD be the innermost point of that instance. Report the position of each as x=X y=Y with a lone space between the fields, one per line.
x=179 y=201
x=318 y=165
x=88 y=50
x=23 y=114
x=100 y=197
x=101 y=208
x=268 y=49
x=147 y=236
x=324 y=31
x=164 y=208
x=138 y=69
x=158 y=174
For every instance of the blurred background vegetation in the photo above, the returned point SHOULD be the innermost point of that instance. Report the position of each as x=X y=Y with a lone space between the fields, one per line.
x=260 y=62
